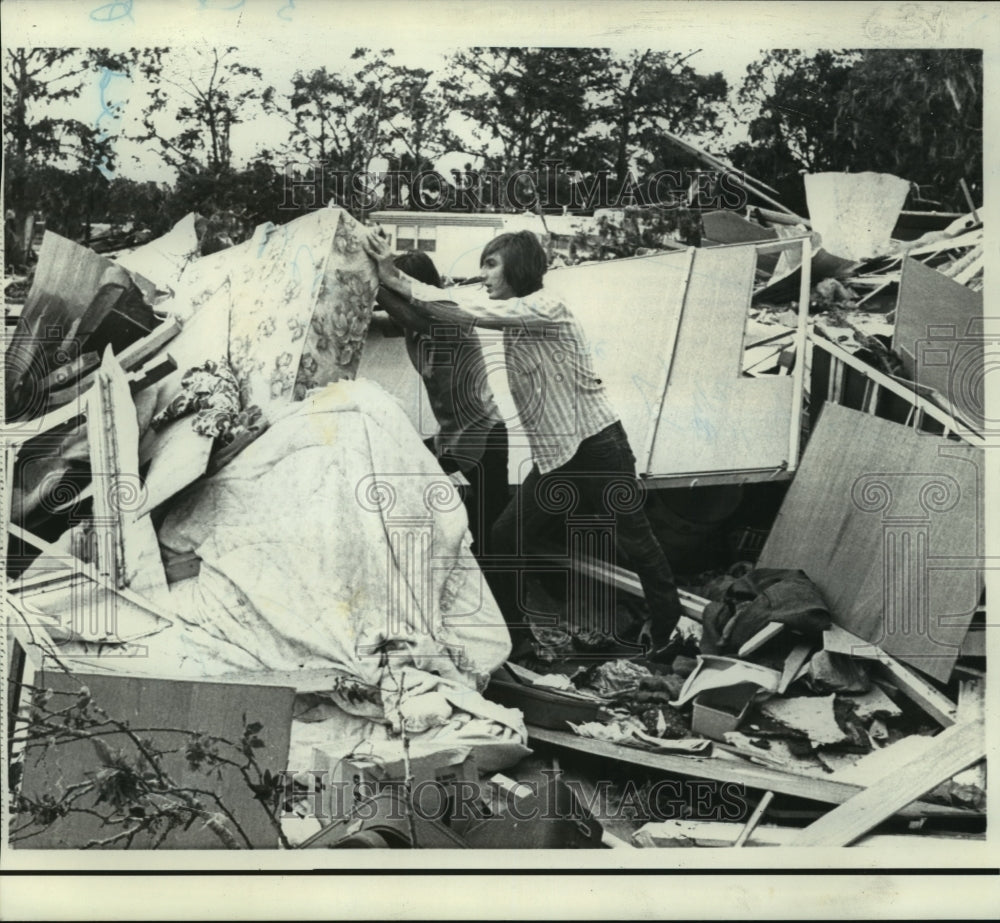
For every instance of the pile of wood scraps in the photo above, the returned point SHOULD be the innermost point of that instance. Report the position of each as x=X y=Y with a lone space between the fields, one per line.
x=878 y=713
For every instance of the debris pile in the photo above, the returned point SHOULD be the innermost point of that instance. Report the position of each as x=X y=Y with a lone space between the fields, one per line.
x=214 y=493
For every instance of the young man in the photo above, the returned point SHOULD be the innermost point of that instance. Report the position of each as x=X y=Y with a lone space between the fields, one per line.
x=576 y=438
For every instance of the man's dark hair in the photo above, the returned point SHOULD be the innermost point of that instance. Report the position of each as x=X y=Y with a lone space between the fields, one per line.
x=524 y=261
x=418 y=265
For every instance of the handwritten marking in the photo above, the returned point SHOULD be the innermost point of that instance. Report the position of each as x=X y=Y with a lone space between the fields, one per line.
x=114 y=111
x=122 y=9
x=118 y=9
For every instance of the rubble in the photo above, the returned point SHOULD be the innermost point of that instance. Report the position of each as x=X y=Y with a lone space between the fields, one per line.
x=180 y=448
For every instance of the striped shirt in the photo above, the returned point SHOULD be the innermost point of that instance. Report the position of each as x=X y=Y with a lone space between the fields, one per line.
x=559 y=398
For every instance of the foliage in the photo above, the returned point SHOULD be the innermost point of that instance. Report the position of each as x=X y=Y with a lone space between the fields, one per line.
x=647 y=92
x=525 y=105
x=131 y=791
x=204 y=94
x=916 y=114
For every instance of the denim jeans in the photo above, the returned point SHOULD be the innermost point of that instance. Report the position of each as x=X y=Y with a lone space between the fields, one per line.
x=600 y=482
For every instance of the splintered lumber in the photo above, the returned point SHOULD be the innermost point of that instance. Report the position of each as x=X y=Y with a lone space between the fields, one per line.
x=758 y=777
x=952 y=751
x=78 y=302
x=908 y=391
x=755 y=819
x=887 y=524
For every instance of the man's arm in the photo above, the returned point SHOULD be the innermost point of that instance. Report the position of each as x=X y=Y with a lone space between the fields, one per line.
x=462 y=305
x=471 y=304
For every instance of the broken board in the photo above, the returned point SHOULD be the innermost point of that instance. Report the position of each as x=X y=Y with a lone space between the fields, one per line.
x=951 y=751
x=888 y=524
x=78 y=302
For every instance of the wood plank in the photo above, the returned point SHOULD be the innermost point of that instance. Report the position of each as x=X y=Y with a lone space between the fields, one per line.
x=667 y=347
x=758 y=777
x=755 y=643
x=953 y=750
x=126 y=546
x=627 y=581
x=801 y=352
x=870 y=509
x=716 y=834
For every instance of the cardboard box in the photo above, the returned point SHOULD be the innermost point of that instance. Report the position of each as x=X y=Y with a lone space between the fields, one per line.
x=717 y=711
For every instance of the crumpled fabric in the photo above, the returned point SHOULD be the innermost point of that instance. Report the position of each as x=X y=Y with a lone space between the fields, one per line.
x=308 y=549
x=764 y=595
x=211 y=391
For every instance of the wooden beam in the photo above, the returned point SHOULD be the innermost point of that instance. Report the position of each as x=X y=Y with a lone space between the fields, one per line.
x=953 y=750
x=628 y=582
x=758 y=777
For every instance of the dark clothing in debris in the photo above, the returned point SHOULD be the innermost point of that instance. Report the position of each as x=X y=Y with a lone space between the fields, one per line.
x=485 y=468
x=599 y=482
x=764 y=595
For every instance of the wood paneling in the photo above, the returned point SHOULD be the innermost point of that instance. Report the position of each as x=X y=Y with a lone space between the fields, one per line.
x=888 y=524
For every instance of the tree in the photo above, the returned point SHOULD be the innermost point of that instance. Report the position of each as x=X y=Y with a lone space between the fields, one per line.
x=373 y=109
x=526 y=105
x=49 y=155
x=648 y=91
x=216 y=92
x=917 y=114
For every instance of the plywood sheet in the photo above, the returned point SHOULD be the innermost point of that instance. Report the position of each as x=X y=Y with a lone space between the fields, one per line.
x=888 y=524
x=714 y=419
x=939 y=335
